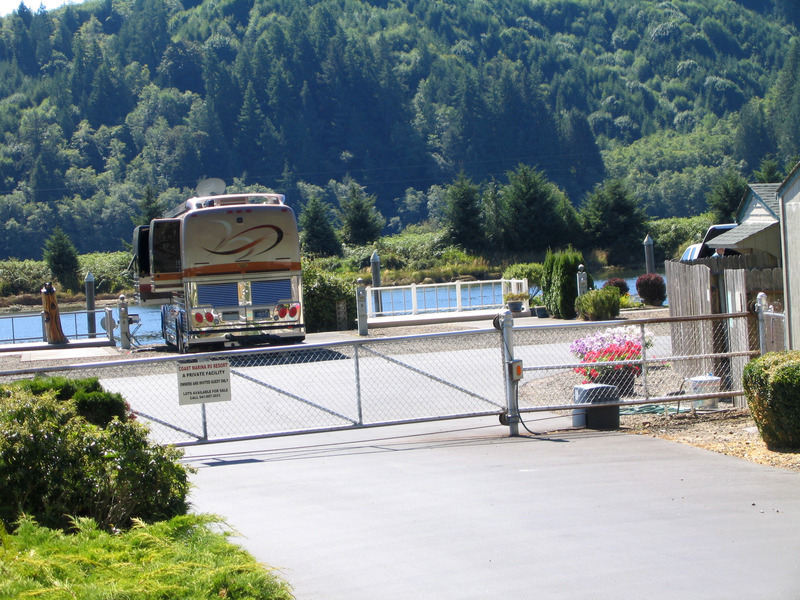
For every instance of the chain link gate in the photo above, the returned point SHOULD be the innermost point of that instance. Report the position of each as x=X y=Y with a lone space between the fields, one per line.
x=381 y=381
x=690 y=363
x=311 y=388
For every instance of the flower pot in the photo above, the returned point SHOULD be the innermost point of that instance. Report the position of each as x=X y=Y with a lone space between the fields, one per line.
x=622 y=378
x=514 y=305
x=541 y=312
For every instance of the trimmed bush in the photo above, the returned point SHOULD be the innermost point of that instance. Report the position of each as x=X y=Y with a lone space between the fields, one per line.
x=100 y=408
x=64 y=388
x=598 y=305
x=90 y=400
x=55 y=466
x=618 y=283
x=651 y=289
x=559 y=282
x=772 y=386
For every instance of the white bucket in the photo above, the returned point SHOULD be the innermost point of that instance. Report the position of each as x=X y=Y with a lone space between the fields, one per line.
x=704 y=384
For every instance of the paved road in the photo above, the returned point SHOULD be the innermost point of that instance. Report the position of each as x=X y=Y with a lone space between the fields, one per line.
x=458 y=510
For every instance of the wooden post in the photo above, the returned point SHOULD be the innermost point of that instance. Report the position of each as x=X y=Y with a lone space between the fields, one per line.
x=55 y=335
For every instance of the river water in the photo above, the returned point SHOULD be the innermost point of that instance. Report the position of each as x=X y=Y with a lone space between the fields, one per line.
x=27 y=327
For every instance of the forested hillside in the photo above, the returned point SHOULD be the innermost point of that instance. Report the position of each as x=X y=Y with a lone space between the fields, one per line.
x=103 y=101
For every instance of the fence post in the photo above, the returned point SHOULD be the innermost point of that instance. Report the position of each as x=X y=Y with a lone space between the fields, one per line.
x=357 y=373
x=91 y=326
x=361 y=308
x=643 y=338
x=375 y=264
x=761 y=307
x=582 y=280
x=109 y=319
x=512 y=414
x=648 y=254
x=124 y=326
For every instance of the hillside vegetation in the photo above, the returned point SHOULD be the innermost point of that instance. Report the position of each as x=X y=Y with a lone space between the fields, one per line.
x=113 y=106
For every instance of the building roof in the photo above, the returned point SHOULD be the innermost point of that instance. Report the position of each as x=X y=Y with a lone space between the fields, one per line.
x=764 y=194
x=750 y=235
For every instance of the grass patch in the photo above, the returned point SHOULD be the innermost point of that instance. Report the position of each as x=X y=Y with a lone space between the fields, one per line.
x=186 y=557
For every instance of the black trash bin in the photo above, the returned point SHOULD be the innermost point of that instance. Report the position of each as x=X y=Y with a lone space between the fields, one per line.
x=597 y=416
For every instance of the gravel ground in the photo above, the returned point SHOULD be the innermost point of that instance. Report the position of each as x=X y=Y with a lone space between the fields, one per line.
x=732 y=432
x=728 y=431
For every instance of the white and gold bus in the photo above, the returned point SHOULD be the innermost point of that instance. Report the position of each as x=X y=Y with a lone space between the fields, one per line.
x=226 y=270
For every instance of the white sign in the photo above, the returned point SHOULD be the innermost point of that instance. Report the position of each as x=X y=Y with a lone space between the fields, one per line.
x=204 y=381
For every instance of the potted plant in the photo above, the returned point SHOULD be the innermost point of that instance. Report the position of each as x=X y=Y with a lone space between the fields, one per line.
x=538 y=307
x=515 y=300
x=612 y=356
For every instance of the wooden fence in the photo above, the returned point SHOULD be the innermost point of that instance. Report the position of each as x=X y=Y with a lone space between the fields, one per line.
x=718 y=286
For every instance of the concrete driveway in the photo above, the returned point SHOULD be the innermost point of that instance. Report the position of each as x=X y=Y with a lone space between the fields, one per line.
x=459 y=510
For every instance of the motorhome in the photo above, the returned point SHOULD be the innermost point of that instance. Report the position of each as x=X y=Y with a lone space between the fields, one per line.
x=226 y=270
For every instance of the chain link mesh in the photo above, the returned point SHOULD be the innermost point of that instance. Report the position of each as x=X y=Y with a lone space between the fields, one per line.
x=648 y=360
x=392 y=380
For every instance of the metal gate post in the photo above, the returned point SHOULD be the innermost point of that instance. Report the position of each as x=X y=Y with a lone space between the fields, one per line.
x=512 y=414
x=761 y=307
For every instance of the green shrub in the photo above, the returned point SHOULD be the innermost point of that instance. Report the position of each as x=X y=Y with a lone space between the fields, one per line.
x=100 y=408
x=54 y=466
x=91 y=401
x=23 y=276
x=598 y=305
x=64 y=388
x=559 y=282
x=109 y=269
x=188 y=557
x=533 y=272
x=673 y=234
x=772 y=386
x=321 y=292
x=651 y=289
x=619 y=283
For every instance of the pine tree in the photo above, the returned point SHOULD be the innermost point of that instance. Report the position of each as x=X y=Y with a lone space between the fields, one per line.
x=725 y=196
x=62 y=259
x=614 y=220
x=150 y=206
x=317 y=234
x=361 y=222
x=464 y=226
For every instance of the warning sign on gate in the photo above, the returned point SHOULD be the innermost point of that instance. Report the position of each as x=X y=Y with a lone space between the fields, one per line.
x=204 y=381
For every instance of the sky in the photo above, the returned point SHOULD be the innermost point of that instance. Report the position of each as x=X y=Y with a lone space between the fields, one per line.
x=7 y=6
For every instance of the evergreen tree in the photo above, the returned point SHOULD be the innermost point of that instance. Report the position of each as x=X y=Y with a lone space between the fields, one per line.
x=361 y=222
x=754 y=137
x=316 y=232
x=150 y=207
x=723 y=199
x=62 y=259
x=769 y=171
x=494 y=220
x=537 y=213
x=464 y=223
x=559 y=282
x=613 y=220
